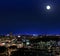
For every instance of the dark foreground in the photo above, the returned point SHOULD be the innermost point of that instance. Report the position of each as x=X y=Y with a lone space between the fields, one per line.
x=28 y=52
x=31 y=52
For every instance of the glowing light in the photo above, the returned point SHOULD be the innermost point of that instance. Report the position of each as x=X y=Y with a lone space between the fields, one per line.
x=48 y=7
x=3 y=43
x=7 y=35
x=27 y=43
x=35 y=35
x=19 y=36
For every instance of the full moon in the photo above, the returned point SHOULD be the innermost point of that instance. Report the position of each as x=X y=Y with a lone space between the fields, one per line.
x=48 y=7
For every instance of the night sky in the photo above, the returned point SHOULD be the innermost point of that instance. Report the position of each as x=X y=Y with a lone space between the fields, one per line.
x=30 y=16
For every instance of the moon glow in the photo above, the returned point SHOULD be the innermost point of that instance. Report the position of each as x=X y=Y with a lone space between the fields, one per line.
x=48 y=7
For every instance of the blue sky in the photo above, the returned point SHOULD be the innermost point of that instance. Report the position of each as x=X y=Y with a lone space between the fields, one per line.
x=29 y=16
